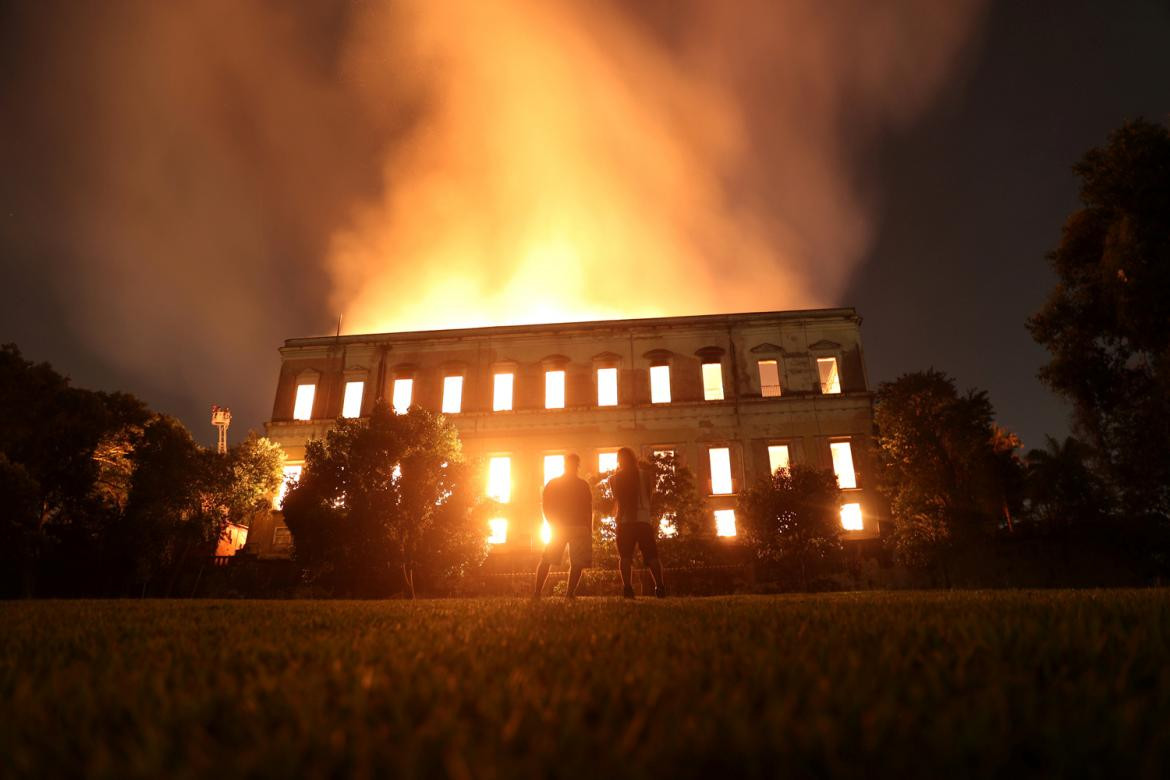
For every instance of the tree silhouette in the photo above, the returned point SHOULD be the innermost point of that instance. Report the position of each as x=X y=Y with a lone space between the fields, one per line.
x=1107 y=321
x=379 y=498
x=950 y=474
x=793 y=518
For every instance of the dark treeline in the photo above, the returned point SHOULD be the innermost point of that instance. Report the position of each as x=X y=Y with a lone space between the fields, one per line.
x=101 y=496
x=1095 y=507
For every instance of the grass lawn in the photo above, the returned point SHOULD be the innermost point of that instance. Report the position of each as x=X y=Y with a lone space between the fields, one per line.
x=904 y=684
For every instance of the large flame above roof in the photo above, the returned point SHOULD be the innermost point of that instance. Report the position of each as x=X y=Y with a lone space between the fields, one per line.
x=578 y=162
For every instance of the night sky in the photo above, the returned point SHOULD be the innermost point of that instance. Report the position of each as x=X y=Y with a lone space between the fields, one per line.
x=966 y=199
x=976 y=194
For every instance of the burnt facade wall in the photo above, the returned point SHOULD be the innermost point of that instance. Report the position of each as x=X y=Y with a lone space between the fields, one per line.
x=746 y=422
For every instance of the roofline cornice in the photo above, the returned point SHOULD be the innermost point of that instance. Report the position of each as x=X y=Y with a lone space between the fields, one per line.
x=568 y=328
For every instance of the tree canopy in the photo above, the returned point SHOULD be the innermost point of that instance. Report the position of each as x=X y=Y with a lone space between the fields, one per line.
x=101 y=495
x=381 y=498
x=1107 y=321
x=794 y=517
x=950 y=474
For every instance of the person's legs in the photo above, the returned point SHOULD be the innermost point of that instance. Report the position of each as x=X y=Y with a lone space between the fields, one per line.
x=541 y=576
x=627 y=585
x=575 y=573
x=580 y=558
x=656 y=572
x=551 y=555
x=625 y=545
x=649 y=546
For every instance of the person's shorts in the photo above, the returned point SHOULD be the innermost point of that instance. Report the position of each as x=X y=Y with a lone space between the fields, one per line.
x=580 y=542
x=641 y=535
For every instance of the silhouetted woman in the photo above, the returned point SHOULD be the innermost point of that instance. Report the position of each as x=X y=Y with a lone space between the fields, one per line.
x=635 y=525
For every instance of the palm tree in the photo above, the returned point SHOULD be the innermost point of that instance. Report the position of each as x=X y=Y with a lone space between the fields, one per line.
x=1063 y=489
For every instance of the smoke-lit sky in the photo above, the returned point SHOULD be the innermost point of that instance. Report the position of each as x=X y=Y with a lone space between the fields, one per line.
x=185 y=185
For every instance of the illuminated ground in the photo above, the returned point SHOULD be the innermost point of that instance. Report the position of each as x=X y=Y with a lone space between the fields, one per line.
x=903 y=684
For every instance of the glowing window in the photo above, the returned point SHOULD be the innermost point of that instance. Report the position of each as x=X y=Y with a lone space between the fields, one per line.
x=769 y=378
x=725 y=522
x=498 y=527
x=452 y=394
x=712 y=381
x=290 y=474
x=281 y=537
x=607 y=394
x=606 y=461
x=554 y=389
x=608 y=528
x=659 y=384
x=303 y=406
x=668 y=526
x=351 y=406
x=843 y=464
x=851 y=517
x=403 y=390
x=830 y=379
x=665 y=454
x=502 y=393
x=720 y=470
x=554 y=466
x=777 y=457
x=500 y=478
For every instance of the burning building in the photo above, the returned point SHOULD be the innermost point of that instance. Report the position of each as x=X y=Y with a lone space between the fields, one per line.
x=733 y=396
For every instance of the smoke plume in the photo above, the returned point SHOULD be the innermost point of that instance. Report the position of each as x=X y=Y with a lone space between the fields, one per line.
x=194 y=182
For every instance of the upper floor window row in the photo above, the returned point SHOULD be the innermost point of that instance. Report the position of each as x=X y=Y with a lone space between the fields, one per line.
x=555 y=393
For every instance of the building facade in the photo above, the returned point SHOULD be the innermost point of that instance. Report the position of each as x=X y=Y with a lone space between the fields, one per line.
x=734 y=397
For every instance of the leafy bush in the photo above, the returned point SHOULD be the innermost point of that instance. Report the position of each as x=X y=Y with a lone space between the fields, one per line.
x=793 y=520
x=381 y=499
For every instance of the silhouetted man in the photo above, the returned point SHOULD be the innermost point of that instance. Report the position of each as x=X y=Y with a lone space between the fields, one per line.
x=568 y=506
x=635 y=526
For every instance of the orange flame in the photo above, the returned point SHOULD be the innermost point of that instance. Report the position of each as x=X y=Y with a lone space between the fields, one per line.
x=574 y=166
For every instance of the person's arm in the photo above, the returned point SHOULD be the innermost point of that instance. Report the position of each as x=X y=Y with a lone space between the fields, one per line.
x=617 y=484
x=587 y=498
